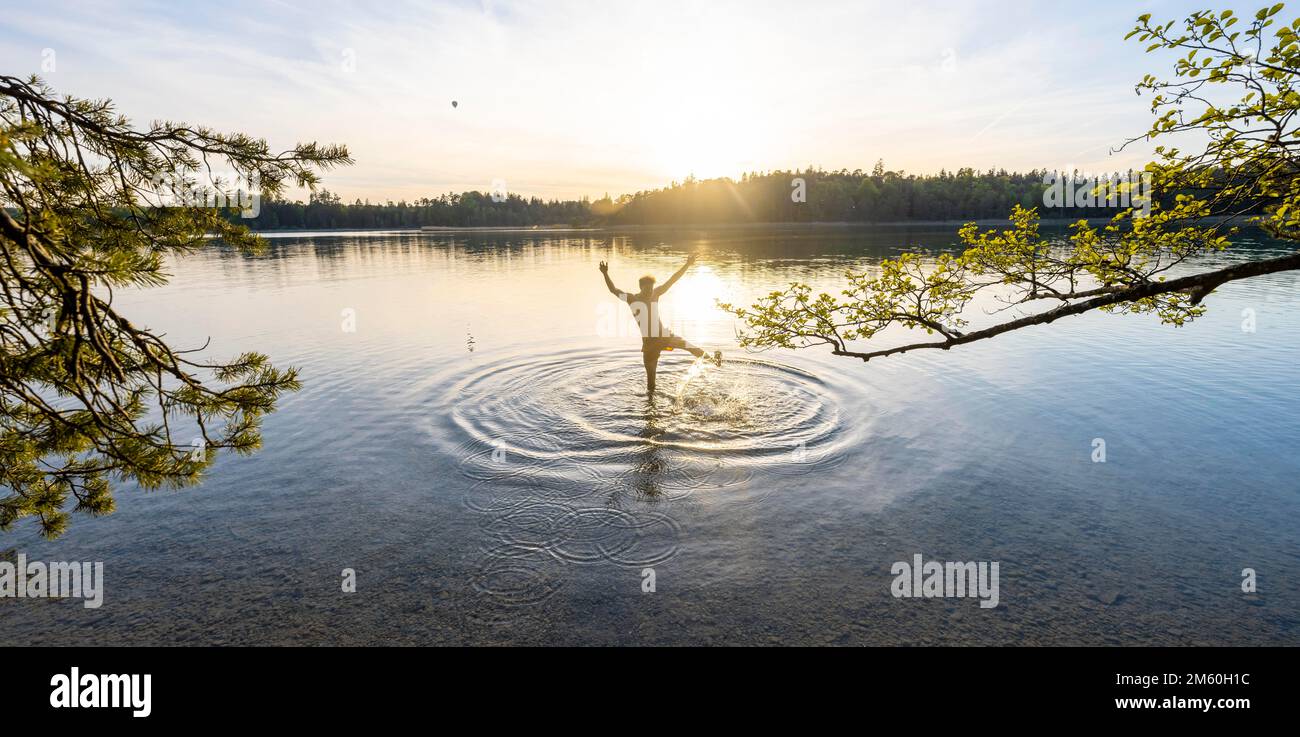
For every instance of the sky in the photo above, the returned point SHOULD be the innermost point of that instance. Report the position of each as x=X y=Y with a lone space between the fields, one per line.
x=562 y=99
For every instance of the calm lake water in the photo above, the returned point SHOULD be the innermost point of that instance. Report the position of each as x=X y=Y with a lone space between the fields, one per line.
x=481 y=452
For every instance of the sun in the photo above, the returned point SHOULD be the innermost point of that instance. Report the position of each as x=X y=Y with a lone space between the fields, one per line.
x=696 y=128
x=706 y=147
x=693 y=301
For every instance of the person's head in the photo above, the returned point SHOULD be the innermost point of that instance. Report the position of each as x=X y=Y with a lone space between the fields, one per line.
x=647 y=283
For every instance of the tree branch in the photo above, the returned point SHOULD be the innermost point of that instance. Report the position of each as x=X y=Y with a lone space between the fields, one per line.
x=1197 y=285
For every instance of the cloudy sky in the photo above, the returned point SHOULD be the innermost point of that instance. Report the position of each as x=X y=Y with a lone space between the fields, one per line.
x=563 y=99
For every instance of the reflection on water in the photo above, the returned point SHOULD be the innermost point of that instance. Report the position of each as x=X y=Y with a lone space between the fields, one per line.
x=481 y=450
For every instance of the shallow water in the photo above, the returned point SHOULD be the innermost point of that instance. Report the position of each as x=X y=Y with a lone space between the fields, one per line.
x=480 y=450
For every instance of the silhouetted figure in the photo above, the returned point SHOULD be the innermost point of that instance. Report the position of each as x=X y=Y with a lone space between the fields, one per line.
x=655 y=338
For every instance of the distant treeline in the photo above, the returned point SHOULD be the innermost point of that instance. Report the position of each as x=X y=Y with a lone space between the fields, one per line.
x=469 y=209
x=835 y=196
x=769 y=197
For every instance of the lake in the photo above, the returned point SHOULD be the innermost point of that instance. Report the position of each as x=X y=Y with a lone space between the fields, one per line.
x=474 y=441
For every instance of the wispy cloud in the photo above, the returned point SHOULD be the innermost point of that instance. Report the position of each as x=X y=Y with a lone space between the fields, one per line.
x=565 y=98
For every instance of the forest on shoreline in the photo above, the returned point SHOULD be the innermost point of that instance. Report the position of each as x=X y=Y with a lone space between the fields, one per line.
x=843 y=196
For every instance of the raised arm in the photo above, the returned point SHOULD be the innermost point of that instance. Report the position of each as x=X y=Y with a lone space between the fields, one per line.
x=609 y=284
x=676 y=275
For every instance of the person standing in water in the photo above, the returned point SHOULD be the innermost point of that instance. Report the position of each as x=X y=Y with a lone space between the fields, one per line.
x=655 y=338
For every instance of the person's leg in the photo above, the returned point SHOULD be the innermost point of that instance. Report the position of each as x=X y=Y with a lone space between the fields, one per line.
x=651 y=358
x=698 y=353
x=680 y=342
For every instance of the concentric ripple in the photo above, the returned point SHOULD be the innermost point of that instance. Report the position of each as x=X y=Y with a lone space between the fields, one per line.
x=517 y=574
x=574 y=462
x=585 y=414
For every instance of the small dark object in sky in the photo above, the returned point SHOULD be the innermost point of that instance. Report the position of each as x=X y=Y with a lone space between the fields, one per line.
x=454 y=103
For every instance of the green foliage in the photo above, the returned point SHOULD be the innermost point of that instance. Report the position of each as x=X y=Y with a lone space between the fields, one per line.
x=833 y=196
x=1250 y=156
x=87 y=396
x=1247 y=165
x=465 y=210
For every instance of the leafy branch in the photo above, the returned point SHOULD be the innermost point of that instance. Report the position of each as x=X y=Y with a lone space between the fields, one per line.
x=87 y=395
x=1248 y=166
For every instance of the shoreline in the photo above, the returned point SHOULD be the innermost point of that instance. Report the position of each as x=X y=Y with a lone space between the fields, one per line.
x=820 y=225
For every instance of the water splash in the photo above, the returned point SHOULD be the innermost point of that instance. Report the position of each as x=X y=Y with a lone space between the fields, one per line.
x=698 y=368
